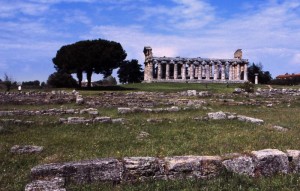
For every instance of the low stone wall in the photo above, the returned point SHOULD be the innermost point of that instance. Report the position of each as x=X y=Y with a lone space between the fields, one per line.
x=37 y=98
x=266 y=162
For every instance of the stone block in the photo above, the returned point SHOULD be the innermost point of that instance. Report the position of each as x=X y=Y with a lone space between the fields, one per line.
x=142 y=168
x=192 y=166
x=102 y=120
x=95 y=171
x=55 y=184
x=191 y=92
x=79 y=100
x=269 y=162
x=279 y=128
x=204 y=94
x=91 y=111
x=173 y=109
x=243 y=165
x=91 y=171
x=217 y=115
x=118 y=120
x=23 y=149
x=294 y=160
x=250 y=119
x=237 y=90
x=124 y=110
x=78 y=120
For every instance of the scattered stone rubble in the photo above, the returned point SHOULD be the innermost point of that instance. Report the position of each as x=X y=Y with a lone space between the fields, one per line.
x=37 y=98
x=23 y=149
x=226 y=115
x=16 y=121
x=54 y=111
x=125 y=110
x=83 y=120
x=272 y=91
x=267 y=162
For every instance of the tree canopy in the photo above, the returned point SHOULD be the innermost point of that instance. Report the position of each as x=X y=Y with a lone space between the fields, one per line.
x=130 y=72
x=264 y=77
x=89 y=56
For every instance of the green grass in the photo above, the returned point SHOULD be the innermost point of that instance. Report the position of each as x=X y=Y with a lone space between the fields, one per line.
x=178 y=134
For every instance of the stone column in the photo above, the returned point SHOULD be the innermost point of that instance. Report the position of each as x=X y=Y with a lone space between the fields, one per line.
x=150 y=70
x=223 y=72
x=215 y=71
x=256 y=78
x=191 y=71
x=167 y=71
x=146 y=72
x=230 y=72
x=207 y=75
x=234 y=71
x=238 y=72
x=200 y=72
x=183 y=71
x=245 y=72
x=175 y=71
x=196 y=70
x=159 y=71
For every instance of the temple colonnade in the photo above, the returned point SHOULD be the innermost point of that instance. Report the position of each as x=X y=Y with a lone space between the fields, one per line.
x=176 y=69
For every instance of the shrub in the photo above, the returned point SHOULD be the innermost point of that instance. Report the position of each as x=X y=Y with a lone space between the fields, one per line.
x=247 y=87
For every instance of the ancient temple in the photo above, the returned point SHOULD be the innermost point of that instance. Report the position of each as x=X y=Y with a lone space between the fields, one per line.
x=195 y=70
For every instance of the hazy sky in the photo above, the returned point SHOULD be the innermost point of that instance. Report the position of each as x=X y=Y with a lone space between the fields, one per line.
x=32 y=31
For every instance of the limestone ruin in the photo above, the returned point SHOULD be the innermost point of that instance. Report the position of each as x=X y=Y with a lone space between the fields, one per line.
x=196 y=70
x=267 y=162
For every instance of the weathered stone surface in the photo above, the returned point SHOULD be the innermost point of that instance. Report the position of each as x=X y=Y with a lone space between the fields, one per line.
x=23 y=149
x=173 y=109
x=102 y=120
x=270 y=162
x=243 y=165
x=250 y=119
x=152 y=120
x=191 y=92
x=36 y=98
x=91 y=111
x=192 y=166
x=17 y=121
x=294 y=159
x=78 y=120
x=63 y=120
x=217 y=115
x=98 y=170
x=237 y=90
x=130 y=169
x=55 y=184
x=142 y=135
x=79 y=100
x=196 y=103
x=143 y=168
x=124 y=110
x=118 y=120
x=204 y=94
x=279 y=128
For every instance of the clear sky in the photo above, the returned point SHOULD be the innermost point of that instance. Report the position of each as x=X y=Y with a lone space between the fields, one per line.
x=268 y=31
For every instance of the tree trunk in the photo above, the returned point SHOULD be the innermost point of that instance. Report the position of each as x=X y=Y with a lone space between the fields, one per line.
x=89 y=78
x=79 y=76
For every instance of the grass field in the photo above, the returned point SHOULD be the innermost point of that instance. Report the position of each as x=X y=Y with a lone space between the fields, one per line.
x=178 y=134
